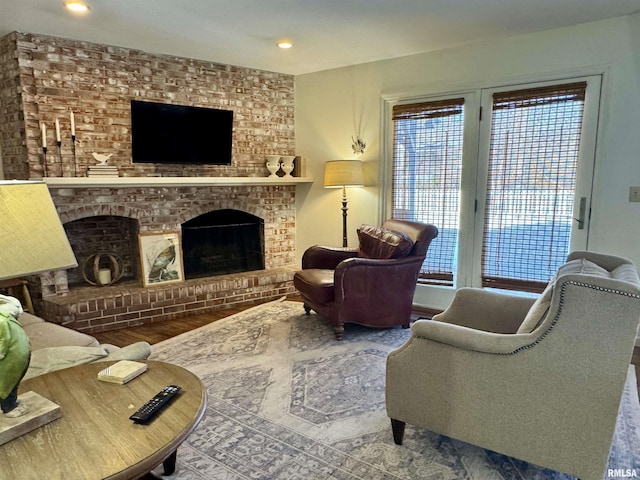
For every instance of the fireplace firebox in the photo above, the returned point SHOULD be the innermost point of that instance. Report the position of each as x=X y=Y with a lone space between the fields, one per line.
x=222 y=242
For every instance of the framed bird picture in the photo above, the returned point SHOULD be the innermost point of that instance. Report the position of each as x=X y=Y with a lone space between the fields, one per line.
x=160 y=258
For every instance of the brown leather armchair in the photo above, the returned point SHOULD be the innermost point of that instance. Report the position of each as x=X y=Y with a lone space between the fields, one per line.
x=372 y=285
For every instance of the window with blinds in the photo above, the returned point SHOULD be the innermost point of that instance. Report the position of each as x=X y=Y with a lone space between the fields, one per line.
x=427 y=163
x=533 y=158
x=521 y=164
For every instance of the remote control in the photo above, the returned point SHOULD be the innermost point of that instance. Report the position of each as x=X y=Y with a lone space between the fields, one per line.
x=149 y=410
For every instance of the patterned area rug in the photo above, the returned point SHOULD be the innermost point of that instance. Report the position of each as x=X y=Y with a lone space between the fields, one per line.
x=287 y=401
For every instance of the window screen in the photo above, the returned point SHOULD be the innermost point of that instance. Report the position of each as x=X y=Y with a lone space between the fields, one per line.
x=535 y=141
x=426 y=177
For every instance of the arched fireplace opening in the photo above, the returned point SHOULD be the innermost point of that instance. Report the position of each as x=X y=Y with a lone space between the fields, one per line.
x=222 y=242
x=103 y=234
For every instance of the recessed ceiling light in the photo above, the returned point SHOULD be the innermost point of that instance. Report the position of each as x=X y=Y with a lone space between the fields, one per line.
x=76 y=6
x=284 y=44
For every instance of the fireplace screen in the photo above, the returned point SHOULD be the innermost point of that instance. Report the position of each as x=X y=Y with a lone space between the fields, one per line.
x=222 y=242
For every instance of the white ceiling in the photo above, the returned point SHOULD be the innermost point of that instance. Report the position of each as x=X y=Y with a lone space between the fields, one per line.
x=326 y=33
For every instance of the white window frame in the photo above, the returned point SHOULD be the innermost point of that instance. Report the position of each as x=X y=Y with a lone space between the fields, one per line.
x=475 y=163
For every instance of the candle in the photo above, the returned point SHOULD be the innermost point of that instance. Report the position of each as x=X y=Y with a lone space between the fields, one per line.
x=73 y=124
x=104 y=276
x=43 y=127
x=57 y=130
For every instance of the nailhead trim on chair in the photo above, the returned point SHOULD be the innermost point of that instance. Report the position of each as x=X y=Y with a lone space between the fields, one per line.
x=557 y=315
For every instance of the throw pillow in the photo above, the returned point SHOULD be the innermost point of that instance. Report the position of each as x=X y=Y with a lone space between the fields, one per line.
x=626 y=272
x=583 y=266
x=382 y=244
x=56 y=358
x=540 y=307
x=538 y=311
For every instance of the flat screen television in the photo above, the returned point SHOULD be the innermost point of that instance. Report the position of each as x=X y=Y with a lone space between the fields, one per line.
x=180 y=134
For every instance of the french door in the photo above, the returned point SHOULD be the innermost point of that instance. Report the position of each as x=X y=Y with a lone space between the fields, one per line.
x=506 y=175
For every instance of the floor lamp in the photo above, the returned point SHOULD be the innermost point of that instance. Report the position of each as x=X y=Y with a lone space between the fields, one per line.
x=32 y=240
x=343 y=173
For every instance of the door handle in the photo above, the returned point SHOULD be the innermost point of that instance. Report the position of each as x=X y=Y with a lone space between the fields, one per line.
x=581 y=213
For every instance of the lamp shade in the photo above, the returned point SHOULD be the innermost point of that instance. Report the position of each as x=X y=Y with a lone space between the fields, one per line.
x=343 y=173
x=32 y=239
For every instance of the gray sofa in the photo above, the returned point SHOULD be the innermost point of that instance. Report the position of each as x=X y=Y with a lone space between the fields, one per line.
x=54 y=347
x=539 y=381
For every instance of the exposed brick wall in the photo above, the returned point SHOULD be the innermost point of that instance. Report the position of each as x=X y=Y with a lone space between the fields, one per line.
x=43 y=78
x=97 y=82
x=166 y=208
x=13 y=148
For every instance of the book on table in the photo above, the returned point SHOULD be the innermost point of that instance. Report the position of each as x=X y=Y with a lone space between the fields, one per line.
x=121 y=372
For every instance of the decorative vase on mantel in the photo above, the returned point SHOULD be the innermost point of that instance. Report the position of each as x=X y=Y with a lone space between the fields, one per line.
x=287 y=165
x=273 y=165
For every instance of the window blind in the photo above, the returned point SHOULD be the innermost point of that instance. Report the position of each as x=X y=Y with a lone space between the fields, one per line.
x=426 y=177
x=535 y=141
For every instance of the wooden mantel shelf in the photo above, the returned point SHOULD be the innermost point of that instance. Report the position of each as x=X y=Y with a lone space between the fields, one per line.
x=121 y=182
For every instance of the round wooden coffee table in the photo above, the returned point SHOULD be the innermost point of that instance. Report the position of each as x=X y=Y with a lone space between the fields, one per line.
x=94 y=438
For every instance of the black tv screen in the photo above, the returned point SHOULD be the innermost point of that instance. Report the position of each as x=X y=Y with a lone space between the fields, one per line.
x=179 y=134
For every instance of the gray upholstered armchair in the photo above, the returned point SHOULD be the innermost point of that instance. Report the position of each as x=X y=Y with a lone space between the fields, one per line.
x=539 y=381
x=371 y=285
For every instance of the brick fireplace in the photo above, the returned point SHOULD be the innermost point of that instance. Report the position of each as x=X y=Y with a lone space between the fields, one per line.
x=66 y=299
x=45 y=78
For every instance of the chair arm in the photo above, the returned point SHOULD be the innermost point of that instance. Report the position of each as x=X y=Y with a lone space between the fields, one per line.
x=486 y=310
x=326 y=258
x=359 y=266
x=458 y=336
x=388 y=284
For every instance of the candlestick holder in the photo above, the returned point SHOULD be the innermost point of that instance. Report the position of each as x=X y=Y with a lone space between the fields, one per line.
x=59 y=143
x=44 y=161
x=73 y=152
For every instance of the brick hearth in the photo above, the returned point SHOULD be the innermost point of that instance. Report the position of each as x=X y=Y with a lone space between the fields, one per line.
x=93 y=309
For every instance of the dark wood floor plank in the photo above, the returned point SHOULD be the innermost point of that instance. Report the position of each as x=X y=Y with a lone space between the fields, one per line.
x=159 y=331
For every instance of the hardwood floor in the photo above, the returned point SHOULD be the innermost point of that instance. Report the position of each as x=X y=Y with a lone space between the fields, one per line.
x=157 y=332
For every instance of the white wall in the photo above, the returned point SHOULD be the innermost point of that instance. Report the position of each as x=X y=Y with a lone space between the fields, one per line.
x=333 y=105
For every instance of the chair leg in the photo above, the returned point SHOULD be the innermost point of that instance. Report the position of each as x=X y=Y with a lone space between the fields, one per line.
x=397 y=427
x=339 y=331
x=307 y=309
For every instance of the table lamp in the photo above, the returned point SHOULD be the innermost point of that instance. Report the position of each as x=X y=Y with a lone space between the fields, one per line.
x=343 y=173
x=32 y=240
